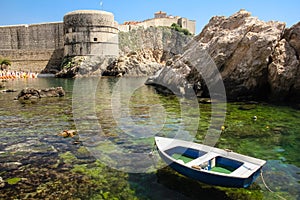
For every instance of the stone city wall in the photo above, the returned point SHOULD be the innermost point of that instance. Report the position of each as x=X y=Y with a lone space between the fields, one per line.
x=32 y=47
x=32 y=60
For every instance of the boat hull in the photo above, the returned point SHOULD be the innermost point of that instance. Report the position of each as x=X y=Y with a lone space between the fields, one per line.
x=209 y=165
x=211 y=179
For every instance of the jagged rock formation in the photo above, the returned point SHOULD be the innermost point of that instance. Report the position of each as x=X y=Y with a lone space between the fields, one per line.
x=254 y=59
x=136 y=63
x=284 y=70
x=142 y=53
x=76 y=66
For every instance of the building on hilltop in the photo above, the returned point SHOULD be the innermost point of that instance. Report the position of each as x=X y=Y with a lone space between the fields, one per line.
x=160 y=19
x=160 y=14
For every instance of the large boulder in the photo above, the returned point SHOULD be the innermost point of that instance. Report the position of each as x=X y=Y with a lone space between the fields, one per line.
x=80 y=66
x=32 y=93
x=241 y=47
x=247 y=54
x=144 y=62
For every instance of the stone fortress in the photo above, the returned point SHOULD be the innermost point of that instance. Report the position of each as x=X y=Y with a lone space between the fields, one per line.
x=160 y=19
x=90 y=33
x=37 y=47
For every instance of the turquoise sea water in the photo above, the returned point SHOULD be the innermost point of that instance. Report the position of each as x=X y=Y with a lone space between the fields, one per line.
x=117 y=120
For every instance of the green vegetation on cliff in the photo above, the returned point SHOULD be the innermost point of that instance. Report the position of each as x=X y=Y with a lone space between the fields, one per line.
x=4 y=63
x=178 y=28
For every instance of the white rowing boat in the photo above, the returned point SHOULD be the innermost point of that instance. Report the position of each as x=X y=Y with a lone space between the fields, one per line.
x=209 y=164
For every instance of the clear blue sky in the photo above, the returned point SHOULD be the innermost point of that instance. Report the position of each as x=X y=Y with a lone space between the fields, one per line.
x=36 y=11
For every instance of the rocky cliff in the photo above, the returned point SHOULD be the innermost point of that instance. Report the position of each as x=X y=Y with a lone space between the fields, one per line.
x=252 y=59
x=142 y=53
x=145 y=51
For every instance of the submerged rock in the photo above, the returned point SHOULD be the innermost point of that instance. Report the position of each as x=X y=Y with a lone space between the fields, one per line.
x=68 y=133
x=2 y=183
x=8 y=90
x=248 y=107
x=32 y=93
x=10 y=165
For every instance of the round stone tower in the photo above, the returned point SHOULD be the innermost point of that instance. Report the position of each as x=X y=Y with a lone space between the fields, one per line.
x=90 y=33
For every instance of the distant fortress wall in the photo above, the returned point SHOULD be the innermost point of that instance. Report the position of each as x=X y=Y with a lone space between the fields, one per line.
x=32 y=47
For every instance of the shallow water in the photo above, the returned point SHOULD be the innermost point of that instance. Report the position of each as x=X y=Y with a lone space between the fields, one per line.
x=116 y=120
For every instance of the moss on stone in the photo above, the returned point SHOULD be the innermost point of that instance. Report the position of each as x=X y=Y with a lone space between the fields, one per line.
x=68 y=157
x=13 y=181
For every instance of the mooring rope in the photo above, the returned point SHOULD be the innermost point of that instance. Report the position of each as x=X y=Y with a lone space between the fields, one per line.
x=151 y=153
x=263 y=180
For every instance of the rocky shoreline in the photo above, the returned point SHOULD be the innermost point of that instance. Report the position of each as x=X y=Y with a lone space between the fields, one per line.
x=142 y=53
x=254 y=60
